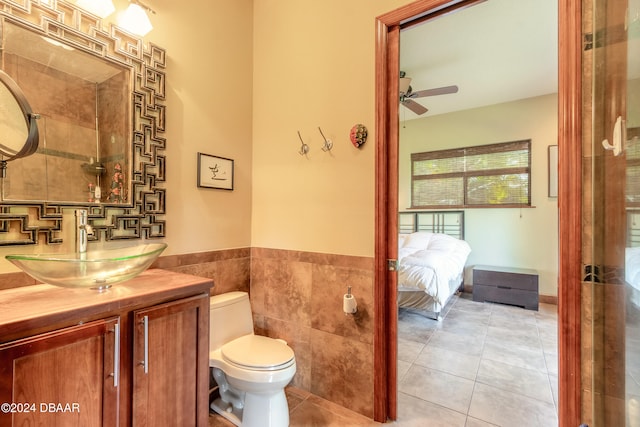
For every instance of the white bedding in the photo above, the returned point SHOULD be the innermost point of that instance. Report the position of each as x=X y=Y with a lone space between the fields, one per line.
x=632 y=273
x=430 y=262
x=632 y=267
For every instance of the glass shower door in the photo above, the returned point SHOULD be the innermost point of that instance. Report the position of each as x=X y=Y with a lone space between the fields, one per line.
x=632 y=259
x=611 y=240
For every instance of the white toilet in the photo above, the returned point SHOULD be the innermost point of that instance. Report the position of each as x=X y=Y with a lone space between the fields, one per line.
x=251 y=370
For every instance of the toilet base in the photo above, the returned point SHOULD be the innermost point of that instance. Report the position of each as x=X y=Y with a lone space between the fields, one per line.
x=227 y=411
x=261 y=410
x=266 y=410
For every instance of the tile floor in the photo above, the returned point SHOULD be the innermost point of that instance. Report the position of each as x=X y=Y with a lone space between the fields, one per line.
x=483 y=365
x=308 y=410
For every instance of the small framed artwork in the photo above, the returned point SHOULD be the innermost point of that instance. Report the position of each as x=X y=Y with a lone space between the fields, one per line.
x=553 y=170
x=215 y=172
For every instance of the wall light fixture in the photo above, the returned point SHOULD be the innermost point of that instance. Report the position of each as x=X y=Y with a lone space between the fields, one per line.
x=135 y=18
x=101 y=8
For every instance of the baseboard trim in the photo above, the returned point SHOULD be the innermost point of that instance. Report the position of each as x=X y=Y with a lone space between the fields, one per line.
x=548 y=299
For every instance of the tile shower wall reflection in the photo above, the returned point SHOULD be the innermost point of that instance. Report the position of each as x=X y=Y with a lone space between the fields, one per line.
x=297 y=296
x=69 y=107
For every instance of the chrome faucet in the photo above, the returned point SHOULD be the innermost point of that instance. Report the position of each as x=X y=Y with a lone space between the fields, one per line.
x=83 y=230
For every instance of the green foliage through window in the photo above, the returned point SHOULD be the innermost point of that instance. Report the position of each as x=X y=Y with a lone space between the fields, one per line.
x=481 y=176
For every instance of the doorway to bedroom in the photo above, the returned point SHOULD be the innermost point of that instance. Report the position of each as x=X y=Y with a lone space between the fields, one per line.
x=477 y=78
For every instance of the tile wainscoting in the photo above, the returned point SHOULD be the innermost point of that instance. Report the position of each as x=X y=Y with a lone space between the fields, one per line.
x=15 y=280
x=230 y=269
x=296 y=296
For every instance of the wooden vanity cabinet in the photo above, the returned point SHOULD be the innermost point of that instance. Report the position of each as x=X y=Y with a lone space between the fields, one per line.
x=62 y=378
x=167 y=344
x=135 y=357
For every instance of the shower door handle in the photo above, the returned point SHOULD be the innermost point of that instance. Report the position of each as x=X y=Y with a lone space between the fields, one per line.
x=617 y=138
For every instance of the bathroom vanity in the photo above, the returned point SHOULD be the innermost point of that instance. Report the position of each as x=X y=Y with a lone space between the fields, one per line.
x=133 y=355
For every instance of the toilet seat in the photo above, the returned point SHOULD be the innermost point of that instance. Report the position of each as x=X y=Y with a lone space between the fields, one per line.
x=258 y=353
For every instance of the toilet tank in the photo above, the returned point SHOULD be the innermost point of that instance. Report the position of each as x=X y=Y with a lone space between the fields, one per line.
x=230 y=318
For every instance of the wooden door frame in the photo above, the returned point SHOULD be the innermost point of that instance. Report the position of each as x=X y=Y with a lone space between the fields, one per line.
x=569 y=203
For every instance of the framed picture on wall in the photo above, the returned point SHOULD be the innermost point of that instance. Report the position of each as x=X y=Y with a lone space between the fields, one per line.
x=553 y=170
x=215 y=172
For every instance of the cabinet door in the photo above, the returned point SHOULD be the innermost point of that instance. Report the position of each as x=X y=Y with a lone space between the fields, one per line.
x=67 y=377
x=171 y=357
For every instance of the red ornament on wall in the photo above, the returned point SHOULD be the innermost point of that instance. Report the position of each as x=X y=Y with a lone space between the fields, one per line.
x=358 y=135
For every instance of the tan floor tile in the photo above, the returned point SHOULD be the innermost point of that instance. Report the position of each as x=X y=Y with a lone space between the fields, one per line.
x=473 y=422
x=310 y=414
x=448 y=361
x=507 y=409
x=523 y=357
x=459 y=343
x=438 y=387
x=408 y=351
x=526 y=382
x=415 y=412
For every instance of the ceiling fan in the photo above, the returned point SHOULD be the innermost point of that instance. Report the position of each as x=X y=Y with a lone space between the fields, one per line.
x=407 y=95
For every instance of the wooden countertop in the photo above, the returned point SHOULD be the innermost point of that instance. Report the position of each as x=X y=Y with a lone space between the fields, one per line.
x=30 y=307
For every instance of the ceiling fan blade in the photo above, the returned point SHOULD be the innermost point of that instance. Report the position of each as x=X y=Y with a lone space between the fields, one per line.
x=436 y=91
x=414 y=106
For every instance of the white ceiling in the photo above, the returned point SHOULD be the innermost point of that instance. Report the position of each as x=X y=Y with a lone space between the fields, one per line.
x=496 y=51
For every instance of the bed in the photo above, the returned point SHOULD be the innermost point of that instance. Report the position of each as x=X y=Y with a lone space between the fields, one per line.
x=632 y=274
x=632 y=257
x=431 y=257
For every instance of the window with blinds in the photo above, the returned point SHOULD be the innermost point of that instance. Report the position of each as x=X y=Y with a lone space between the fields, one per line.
x=496 y=175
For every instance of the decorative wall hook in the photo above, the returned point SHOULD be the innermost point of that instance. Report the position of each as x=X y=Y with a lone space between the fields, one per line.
x=304 y=148
x=328 y=145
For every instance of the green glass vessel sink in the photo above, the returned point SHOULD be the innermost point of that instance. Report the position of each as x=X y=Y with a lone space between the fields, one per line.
x=97 y=269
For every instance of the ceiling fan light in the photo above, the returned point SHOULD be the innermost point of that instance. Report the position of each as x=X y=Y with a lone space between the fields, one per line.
x=101 y=8
x=404 y=84
x=135 y=20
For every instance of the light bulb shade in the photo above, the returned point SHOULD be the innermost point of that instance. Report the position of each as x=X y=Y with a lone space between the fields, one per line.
x=101 y=8
x=135 y=20
x=404 y=84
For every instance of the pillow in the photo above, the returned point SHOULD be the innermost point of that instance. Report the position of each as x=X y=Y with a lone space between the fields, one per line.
x=418 y=240
x=443 y=242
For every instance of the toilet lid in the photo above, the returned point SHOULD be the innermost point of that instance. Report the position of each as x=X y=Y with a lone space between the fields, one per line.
x=258 y=353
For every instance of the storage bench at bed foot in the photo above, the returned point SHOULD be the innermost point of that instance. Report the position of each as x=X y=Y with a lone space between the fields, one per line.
x=514 y=286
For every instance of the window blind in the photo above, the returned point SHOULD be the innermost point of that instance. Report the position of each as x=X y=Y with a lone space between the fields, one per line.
x=480 y=176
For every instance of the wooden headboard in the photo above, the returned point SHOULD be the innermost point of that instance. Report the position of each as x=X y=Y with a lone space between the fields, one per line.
x=444 y=222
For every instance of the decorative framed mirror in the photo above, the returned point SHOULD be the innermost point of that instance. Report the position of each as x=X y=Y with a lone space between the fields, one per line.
x=99 y=93
x=18 y=126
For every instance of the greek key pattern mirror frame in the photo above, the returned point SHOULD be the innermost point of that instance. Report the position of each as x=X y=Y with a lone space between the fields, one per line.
x=24 y=223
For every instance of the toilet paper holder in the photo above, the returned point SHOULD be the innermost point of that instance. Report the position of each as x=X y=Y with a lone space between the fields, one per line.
x=349 y=303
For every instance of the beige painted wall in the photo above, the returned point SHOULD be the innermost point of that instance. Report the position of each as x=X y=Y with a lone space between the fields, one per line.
x=314 y=66
x=209 y=109
x=243 y=77
x=209 y=91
